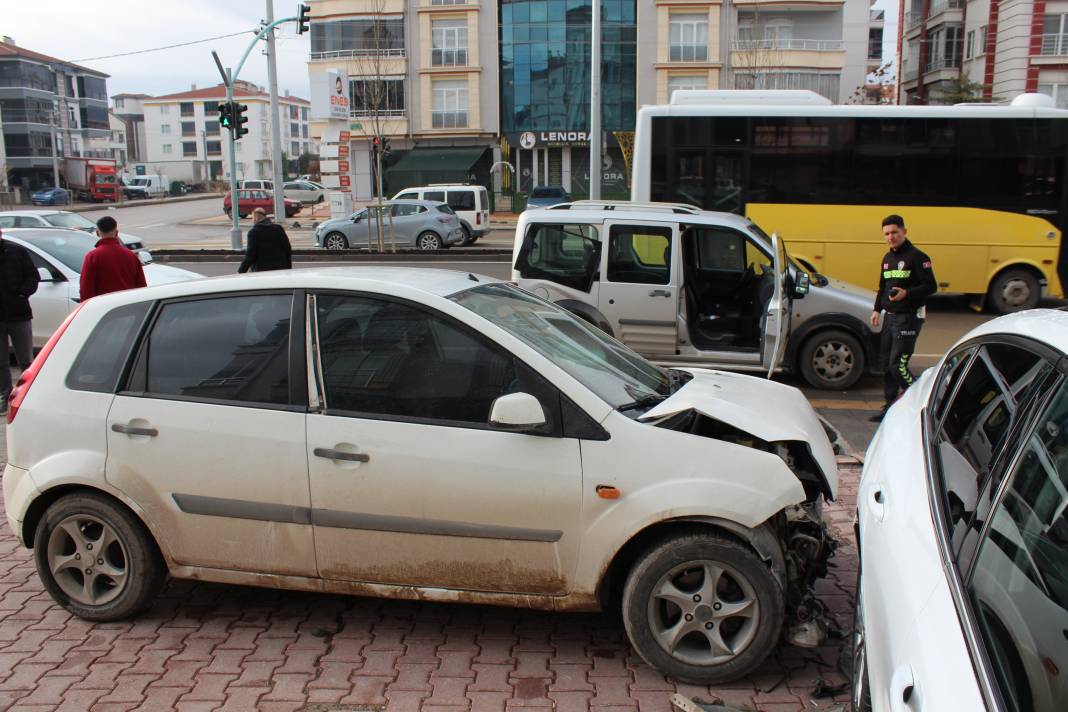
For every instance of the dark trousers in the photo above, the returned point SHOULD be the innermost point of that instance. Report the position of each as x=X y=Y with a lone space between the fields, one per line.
x=896 y=346
x=21 y=336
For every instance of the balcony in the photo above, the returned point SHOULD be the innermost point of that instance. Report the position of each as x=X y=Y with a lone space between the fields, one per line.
x=935 y=64
x=941 y=6
x=876 y=16
x=358 y=113
x=1052 y=45
x=395 y=52
x=791 y=44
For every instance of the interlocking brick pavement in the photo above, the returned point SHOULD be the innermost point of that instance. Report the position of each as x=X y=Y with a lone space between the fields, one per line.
x=212 y=647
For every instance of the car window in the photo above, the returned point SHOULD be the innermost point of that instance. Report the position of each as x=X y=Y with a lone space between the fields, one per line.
x=7 y=221
x=443 y=208
x=231 y=348
x=720 y=249
x=293 y=186
x=437 y=196
x=972 y=434
x=1019 y=583
x=40 y=262
x=483 y=199
x=408 y=196
x=99 y=364
x=639 y=254
x=953 y=369
x=401 y=210
x=70 y=248
x=461 y=199
x=566 y=254
x=383 y=358
x=71 y=220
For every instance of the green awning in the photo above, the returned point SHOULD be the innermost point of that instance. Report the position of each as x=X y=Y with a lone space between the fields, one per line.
x=423 y=166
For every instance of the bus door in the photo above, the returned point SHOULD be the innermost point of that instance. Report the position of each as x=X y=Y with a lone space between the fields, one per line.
x=776 y=318
x=639 y=292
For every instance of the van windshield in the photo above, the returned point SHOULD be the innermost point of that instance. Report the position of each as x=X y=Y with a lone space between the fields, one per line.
x=602 y=364
x=139 y=181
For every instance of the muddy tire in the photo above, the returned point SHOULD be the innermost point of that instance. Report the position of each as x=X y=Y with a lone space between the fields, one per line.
x=702 y=608
x=832 y=359
x=96 y=559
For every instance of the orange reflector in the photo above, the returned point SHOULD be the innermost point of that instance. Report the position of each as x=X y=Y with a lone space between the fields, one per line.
x=608 y=492
x=1047 y=262
x=1051 y=667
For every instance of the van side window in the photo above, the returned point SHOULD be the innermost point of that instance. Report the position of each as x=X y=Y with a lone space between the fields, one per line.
x=565 y=254
x=639 y=254
x=438 y=196
x=461 y=199
x=407 y=196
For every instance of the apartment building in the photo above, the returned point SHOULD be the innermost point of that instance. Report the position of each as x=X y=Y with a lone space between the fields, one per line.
x=422 y=73
x=37 y=93
x=184 y=127
x=997 y=49
x=130 y=110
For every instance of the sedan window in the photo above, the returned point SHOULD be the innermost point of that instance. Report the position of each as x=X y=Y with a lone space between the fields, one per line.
x=71 y=220
x=1019 y=583
x=7 y=221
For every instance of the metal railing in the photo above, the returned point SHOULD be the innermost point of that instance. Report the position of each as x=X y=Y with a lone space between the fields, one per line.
x=936 y=63
x=360 y=53
x=943 y=5
x=22 y=116
x=791 y=44
x=380 y=113
x=911 y=73
x=1055 y=44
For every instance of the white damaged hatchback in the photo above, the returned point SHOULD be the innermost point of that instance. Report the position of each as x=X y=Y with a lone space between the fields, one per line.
x=416 y=433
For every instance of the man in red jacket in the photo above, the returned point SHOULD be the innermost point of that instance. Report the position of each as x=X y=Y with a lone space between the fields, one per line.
x=110 y=266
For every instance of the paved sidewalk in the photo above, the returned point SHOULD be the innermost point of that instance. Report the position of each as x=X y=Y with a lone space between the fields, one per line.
x=207 y=647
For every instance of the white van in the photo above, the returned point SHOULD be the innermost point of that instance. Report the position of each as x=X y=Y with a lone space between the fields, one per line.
x=691 y=287
x=469 y=202
x=151 y=186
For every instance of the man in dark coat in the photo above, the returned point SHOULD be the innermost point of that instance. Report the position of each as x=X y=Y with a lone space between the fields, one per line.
x=18 y=280
x=268 y=245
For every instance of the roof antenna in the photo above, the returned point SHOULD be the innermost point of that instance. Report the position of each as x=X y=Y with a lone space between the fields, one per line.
x=472 y=277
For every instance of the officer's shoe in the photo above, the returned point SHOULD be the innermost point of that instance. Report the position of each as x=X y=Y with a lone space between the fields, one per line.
x=878 y=417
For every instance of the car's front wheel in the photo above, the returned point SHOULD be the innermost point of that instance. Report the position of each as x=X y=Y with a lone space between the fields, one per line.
x=832 y=359
x=335 y=241
x=428 y=241
x=1014 y=290
x=96 y=559
x=702 y=608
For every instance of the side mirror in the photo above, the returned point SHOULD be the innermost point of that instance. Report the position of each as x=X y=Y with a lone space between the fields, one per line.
x=145 y=256
x=802 y=283
x=517 y=412
x=44 y=275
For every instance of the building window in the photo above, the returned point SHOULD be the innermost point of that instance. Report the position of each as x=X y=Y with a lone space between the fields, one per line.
x=1059 y=92
x=380 y=34
x=686 y=82
x=189 y=128
x=304 y=131
x=120 y=103
x=186 y=108
x=689 y=37
x=164 y=109
x=448 y=2
x=304 y=113
x=214 y=148
x=211 y=128
x=167 y=148
x=294 y=149
x=189 y=148
x=969 y=45
x=449 y=104
x=826 y=84
x=165 y=129
x=944 y=48
x=450 y=43
x=1055 y=34
x=381 y=97
x=981 y=50
x=294 y=130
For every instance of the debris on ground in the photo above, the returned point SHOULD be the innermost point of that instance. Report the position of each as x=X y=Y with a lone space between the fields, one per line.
x=682 y=704
x=827 y=689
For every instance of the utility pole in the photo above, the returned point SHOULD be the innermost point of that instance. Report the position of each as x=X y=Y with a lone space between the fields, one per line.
x=276 y=131
x=55 y=146
x=595 y=103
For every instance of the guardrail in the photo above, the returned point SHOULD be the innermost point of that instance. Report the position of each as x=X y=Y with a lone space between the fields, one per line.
x=791 y=44
x=1053 y=44
x=381 y=113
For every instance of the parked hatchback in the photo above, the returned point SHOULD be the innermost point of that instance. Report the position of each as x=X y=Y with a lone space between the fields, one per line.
x=249 y=200
x=469 y=202
x=545 y=196
x=50 y=196
x=962 y=516
x=51 y=219
x=407 y=223
x=305 y=192
x=415 y=433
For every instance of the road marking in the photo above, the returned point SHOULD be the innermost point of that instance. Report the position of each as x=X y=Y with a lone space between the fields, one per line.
x=162 y=224
x=842 y=404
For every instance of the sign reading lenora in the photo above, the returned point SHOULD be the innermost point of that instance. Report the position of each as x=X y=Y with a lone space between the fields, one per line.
x=540 y=139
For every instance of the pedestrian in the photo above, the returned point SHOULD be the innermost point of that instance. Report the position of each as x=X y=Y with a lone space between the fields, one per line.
x=18 y=280
x=905 y=283
x=110 y=266
x=268 y=245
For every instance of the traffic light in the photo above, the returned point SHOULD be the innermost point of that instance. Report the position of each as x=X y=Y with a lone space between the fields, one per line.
x=376 y=144
x=303 y=17
x=226 y=116
x=239 y=119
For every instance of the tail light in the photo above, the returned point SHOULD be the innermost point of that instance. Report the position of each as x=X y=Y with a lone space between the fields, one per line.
x=478 y=218
x=18 y=393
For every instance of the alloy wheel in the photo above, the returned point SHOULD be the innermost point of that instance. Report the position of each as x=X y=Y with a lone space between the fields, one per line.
x=704 y=613
x=88 y=560
x=1016 y=292
x=833 y=360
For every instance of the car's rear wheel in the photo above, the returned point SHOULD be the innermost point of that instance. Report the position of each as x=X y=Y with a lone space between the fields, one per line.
x=831 y=359
x=319 y=199
x=468 y=240
x=335 y=241
x=1014 y=290
x=96 y=559
x=229 y=213
x=428 y=241
x=702 y=608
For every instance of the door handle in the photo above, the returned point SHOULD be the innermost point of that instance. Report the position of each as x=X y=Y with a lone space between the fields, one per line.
x=902 y=685
x=659 y=292
x=341 y=455
x=877 y=503
x=133 y=430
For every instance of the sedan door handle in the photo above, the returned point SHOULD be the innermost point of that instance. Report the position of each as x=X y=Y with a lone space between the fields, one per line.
x=877 y=503
x=341 y=455
x=133 y=430
x=659 y=292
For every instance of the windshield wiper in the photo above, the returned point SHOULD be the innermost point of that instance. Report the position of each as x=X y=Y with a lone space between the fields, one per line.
x=678 y=379
x=641 y=400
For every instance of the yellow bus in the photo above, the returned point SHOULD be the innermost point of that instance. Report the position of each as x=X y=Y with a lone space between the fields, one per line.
x=982 y=188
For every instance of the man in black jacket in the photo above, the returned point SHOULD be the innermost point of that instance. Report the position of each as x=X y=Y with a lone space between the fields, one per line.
x=905 y=283
x=268 y=245
x=18 y=280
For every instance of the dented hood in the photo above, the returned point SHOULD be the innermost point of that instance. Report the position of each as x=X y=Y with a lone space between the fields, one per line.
x=765 y=409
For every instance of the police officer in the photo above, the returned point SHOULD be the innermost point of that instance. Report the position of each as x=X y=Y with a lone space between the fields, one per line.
x=904 y=285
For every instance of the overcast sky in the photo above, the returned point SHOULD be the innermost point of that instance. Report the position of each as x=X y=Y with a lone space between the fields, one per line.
x=79 y=29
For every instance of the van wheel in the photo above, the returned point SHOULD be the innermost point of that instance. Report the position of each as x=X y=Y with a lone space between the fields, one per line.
x=335 y=241
x=96 y=559
x=1014 y=290
x=702 y=608
x=468 y=240
x=428 y=241
x=831 y=359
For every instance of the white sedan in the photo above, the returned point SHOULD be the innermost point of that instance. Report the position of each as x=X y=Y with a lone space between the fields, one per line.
x=58 y=256
x=304 y=191
x=51 y=219
x=962 y=516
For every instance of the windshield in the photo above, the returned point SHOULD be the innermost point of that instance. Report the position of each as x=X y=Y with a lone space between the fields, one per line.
x=71 y=220
x=599 y=362
x=139 y=181
x=70 y=249
x=755 y=229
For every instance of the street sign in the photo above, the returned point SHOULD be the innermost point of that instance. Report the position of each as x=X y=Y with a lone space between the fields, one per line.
x=344 y=180
x=343 y=166
x=343 y=151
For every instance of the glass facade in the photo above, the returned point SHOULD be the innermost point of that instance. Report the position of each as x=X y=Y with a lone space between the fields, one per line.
x=370 y=35
x=545 y=65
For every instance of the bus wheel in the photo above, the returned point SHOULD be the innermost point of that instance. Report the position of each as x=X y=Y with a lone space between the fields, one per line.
x=831 y=359
x=1014 y=290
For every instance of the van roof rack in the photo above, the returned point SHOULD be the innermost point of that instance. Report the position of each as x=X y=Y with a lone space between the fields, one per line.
x=677 y=208
x=436 y=185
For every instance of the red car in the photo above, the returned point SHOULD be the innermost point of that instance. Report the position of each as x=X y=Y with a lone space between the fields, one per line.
x=249 y=200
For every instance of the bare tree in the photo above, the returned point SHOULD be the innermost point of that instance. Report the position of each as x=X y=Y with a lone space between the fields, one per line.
x=752 y=55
